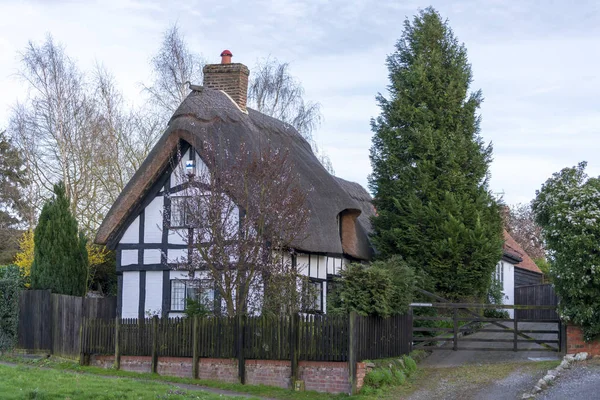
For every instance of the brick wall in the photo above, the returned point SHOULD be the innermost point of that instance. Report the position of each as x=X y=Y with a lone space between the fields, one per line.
x=576 y=344
x=269 y=372
x=331 y=377
x=219 y=369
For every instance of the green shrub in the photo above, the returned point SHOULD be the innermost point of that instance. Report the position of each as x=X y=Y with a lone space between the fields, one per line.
x=399 y=377
x=495 y=296
x=381 y=288
x=195 y=308
x=409 y=364
x=10 y=284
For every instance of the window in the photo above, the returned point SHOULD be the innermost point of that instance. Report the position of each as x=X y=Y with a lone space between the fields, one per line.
x=499 y=275
x=312 y=296
x=201 y=290
x=180 y=211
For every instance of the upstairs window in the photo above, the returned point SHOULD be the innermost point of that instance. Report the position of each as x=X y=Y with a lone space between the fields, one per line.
x=180 y=217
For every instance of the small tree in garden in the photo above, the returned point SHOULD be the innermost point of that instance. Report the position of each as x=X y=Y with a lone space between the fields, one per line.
x=567 y=207
x=382 y=288
x=243 y=213
x=60 y=261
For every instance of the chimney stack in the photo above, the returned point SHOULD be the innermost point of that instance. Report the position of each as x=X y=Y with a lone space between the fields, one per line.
x=232 y=78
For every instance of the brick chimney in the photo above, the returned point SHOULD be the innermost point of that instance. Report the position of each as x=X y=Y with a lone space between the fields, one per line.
x=232 y=78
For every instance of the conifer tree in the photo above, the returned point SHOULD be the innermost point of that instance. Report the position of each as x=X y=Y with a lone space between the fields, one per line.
x=60 y=261
x=430 y=165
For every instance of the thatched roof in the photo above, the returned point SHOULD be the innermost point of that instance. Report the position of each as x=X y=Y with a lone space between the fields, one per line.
x=210 y=115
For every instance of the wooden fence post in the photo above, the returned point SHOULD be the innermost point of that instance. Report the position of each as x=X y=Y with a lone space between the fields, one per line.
x=195 y=347
x=154 y=344
x=117 y=342
x=455 y=320
x=240 y=349
x=81 y=344
x=352 y=350
x=516 y=333
x=294 y=345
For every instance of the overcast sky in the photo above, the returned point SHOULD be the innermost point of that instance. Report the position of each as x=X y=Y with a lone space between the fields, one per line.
x=537 y=63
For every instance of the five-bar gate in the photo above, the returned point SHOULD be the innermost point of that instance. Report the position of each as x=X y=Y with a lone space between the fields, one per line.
x=464 y=326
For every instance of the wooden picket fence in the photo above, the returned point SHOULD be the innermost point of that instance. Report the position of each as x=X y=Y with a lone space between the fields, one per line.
x=305 y=337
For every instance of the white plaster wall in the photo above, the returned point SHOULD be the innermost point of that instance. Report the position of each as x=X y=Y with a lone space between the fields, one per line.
x=152 y=256
x=177 y=255
x=132 y=234
x=509 y=285
x=154 y=281
x=153 y=221
x=177 y=236
x=131 y=294
x=129 y=257
x=302 y=264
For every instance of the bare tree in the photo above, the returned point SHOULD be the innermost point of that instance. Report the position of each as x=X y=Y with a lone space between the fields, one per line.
x=174 y=67
x=243 y=212
x=52 y=128
x=275 y=92
x=520 y=224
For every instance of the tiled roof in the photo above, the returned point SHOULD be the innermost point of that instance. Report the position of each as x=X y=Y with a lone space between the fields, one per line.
x=512 y=248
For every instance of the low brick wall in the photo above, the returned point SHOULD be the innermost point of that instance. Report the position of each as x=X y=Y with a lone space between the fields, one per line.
x=576 y=344
x=219 y=369
x=331 y=377
x=269 y=372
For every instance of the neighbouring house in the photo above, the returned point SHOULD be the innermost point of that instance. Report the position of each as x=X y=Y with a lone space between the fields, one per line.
x=515 y=269
x=142 y=226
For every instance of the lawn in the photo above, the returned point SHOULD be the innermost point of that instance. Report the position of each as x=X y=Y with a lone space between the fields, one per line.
x=33 y=383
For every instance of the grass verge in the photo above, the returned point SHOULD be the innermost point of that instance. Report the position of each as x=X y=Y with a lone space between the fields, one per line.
x=254 y=390
x=32 y=383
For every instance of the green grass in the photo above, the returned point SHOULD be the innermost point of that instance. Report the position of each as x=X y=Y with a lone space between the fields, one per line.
x=33 y=383
x=254 y=390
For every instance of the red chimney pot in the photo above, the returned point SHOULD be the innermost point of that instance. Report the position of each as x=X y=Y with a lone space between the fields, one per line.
x=226 y=57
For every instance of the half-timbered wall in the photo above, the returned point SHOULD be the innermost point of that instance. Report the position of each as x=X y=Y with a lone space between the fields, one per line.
x=149 y=251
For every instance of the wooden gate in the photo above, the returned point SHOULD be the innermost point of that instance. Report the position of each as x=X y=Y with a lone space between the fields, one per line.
x=536 y=295
x=464 y=326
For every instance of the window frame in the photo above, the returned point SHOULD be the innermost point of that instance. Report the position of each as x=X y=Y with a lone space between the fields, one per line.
x=321 y=292
x=202 y=285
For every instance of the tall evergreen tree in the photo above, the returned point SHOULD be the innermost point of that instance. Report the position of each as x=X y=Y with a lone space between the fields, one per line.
x=430 y=165
x=60 y=261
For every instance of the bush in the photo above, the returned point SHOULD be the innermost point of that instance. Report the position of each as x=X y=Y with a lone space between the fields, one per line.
x=11 y=283
x=195 y=308
x=495 y=296
x=388 y=372
x=567 y=209
x=382 y=288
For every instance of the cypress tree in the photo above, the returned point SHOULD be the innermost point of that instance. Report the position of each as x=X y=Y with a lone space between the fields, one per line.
x=430 y=164
x=60 y=260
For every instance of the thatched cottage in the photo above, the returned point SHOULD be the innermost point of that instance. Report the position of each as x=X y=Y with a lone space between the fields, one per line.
x=139 y=227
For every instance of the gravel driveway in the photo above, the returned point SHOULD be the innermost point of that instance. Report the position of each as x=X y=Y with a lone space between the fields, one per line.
x=582 y=381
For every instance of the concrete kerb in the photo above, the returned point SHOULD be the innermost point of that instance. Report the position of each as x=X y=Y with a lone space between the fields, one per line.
x=553 y=374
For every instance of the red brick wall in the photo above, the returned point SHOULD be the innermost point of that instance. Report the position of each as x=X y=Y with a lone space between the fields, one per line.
x=269 y=372
x=220 y=369
x=128 y=363
x=361 y=372
x=174 y=366
x=331 y=377
x=576 y=344
x=320 y=376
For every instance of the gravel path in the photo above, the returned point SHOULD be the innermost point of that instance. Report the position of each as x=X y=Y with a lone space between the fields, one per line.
x=582 y=381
